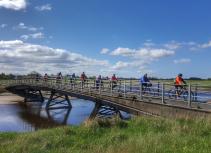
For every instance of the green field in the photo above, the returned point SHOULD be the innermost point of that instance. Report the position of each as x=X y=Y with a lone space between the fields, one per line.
x=140 y=135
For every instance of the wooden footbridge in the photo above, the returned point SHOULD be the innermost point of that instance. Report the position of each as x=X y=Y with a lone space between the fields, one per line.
x=126 y=95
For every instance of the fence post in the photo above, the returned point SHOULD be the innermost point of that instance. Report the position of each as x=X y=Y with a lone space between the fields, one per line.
x=163 y=93
x=90 y=87
x=124 y=88
x=189 y=95
x=130 y=84
x=111 y=88
x=99 y=86
x=81 y=85
x=158 y=89
x=196 y=90
x=141 y=96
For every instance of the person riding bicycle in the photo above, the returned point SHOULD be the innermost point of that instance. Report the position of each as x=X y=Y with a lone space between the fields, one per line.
x=72 y=78
x=144 y=80
x=179 y=83
x=59 y=77
x=83 y=79
x=99 y=82
x=46 y=77
x=114 y=81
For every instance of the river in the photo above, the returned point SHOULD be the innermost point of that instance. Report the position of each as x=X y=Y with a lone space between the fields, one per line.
x=15 y=115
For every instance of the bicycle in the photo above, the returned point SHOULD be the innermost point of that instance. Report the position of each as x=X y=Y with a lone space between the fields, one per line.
x=182 y=92
x=148 y=89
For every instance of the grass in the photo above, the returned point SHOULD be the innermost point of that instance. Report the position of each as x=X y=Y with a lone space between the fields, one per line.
x=140 y=135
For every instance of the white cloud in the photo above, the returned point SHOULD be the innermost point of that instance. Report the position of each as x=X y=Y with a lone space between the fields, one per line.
x=206 y=45
x=140 y=65
x=138 y=60
x=173 y=45
x=17 y=56
x=120 y=65
x=22 y=26
x=38 y=35
x=104 y=51
x=13 y=4
x=46 y=7
x=143 y=53
x=3 y=25
x=182 y=61
x=123 y=52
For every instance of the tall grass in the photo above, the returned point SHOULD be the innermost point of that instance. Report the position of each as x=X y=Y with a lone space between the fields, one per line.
x=143 y=134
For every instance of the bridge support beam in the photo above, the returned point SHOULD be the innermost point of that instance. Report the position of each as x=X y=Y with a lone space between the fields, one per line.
x=103 y=111
x=31 y=95
x=58 y=100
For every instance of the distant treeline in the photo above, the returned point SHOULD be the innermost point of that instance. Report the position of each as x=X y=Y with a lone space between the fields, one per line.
x=4 y=76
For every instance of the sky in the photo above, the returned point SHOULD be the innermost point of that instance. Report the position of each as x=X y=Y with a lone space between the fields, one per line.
x=125 y=37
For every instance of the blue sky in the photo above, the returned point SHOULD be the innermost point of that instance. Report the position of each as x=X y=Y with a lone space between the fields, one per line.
x=126 y=37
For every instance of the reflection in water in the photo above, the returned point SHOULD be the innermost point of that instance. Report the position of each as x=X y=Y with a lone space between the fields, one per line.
x=33 y=116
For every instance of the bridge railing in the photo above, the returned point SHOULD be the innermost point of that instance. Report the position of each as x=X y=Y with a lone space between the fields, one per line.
x=163 y=92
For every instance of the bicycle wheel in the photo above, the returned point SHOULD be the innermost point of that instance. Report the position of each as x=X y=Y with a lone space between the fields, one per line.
x=172 y=94
x=185 y=95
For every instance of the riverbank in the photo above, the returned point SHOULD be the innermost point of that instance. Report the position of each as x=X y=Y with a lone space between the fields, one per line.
x=9 y=98
x=2 y=90
x=143 y=134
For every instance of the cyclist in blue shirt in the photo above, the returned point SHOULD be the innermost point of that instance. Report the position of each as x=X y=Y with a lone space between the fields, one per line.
x=144 y=80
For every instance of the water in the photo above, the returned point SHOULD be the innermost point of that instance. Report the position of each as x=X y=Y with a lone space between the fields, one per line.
x=18 y=117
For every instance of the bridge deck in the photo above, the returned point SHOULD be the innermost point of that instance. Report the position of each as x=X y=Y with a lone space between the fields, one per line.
x=133 y=102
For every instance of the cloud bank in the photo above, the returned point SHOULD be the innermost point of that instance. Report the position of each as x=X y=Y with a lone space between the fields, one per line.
x=17 y=56
x=13 y=4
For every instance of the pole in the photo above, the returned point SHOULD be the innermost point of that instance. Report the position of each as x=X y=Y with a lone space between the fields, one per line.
x=124 y=88
x=111 y=88
x=163 y=94
x=189 y=95
x=141 y=96
x=99 y=86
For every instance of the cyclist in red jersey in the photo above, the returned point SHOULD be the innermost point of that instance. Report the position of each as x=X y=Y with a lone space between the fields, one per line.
x=179 y=83
x=114 y=81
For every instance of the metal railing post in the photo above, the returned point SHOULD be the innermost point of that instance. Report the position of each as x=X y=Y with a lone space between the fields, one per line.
x=189 y=95
x=100 y=87
x=195 y=93
x=130 y=84
x=141 y=94
x=81 y=85
x=111 y=88
x=90 y=88
x=163 y=93
x=124 y=88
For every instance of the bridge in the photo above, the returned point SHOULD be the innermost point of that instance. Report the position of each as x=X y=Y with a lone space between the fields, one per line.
x=128 y=95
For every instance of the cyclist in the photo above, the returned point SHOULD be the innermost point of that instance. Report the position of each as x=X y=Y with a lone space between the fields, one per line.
x=46 y=77
x=72 y=79
x=114 y=81
x=59 y=77
x=83 y=79
x=179 y=83
x=99 y=82
x=144 y=80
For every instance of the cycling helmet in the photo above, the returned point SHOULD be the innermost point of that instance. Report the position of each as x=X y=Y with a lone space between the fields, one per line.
x=180 y=74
